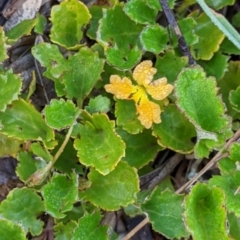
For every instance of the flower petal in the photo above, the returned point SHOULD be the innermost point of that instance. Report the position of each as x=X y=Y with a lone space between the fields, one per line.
x=121 y=88
x=148 y=112
x=159 y=89
x=143 y=73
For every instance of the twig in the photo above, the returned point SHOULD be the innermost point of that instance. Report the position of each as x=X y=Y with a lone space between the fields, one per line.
x=213 y=161
x=173 y=23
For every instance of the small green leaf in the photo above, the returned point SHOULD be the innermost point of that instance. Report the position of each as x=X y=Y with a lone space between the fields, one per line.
x=23 y=206
x=154 y=38
x=64 y=231
x=206 y=46
x=164 y=210
x=60 y=114
x=11 y=229
x=229 y=184
x=118 y=188
x=98 y=104
x=169 y=66
x=10 y=88
x=28 y=165
x=234 y=224
x=234 y=98
x=41 y=24
x=24 y=122
x=68 y=160
x=84 y=69
x=88 y=228
x=99 y=145
x=197 y=95
x=23 y=28
x=216 y=66
x=232 y=162
x=140 y=12
x=221 y=22
x=140 y=148
x=3 y=45
x=9 y=146
x=125 y=112
x=50 y=57
x=230 y=81
x=228 y=47
x=68 y=18
x=175 y=131
x=113 y=33
x=40 y=151
x=60 y=194
x=205 y=214
x=97 y=13
x=236 y=19
x=122 y=60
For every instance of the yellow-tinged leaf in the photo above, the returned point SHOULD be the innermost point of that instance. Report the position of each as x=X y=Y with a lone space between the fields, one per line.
x=121 y=88
x=159 y=89
x=148 y=113
x=143 y=73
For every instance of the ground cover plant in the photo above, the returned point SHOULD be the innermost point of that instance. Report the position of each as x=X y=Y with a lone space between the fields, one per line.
x=118 y=110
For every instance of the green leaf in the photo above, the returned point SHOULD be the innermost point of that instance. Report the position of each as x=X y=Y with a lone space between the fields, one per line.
x=24 y=122
x=23 y=28
x=8 y=228
x=41 y=24
x=3 y=45
x=206 y=46
x=125 y=112
x=236 y=19
x=140 y=148
x=50 y=57
x=68 y=160
x=216 y=66
x=64 y=231
x=68 y=19
x=88 y=228
x=97 y=13
x=205 y=214
x=187 y=26
x=28 y=165
x=74 y=77
x=234 y=224
x=230 y=81
x=98 y=104
x=197 y=95
x=9 y=146
x=122 y=60
x=60 y=114
x=140 y=12
x=60 y=194
x=113 y=33
x=154 y=38
x=84 y=70
x=234 y=98
x=221 y=22
x=175 y=131
x=22 y=206
x=99 y=145
x=219 y=3
x=228 y=47
x=40 y=151
x=164 y=210
x=229 y=184
x=231 y=163
x=169 y=66
x=118 y=188
x=10 y=88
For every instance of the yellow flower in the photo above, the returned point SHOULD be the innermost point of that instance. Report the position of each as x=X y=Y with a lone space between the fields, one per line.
x=148 y=111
